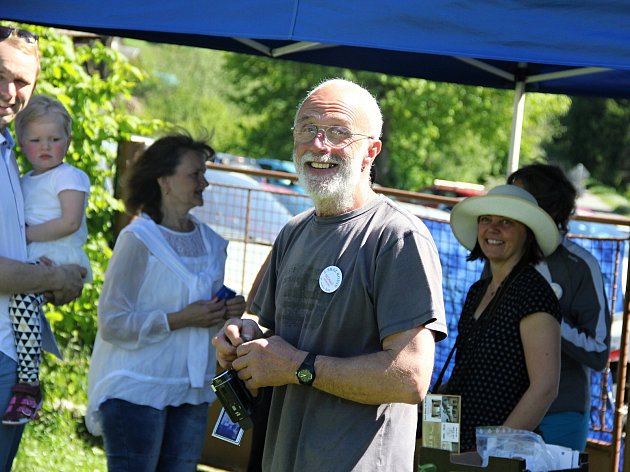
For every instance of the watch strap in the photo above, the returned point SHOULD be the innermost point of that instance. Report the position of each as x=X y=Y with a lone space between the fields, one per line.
x=307 y=365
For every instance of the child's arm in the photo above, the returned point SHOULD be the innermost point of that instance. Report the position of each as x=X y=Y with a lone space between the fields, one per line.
x=72 y=207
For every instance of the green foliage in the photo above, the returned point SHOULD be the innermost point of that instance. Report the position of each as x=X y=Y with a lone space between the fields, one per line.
x=186 y=87
x=268 y=92
x=443 y=130
x=431 y=129
x=596 y=133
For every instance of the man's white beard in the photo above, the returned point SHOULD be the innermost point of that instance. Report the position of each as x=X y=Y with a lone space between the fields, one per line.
x=332 y=194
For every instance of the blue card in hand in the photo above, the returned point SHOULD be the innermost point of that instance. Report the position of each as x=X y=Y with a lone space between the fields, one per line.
x=225 y=293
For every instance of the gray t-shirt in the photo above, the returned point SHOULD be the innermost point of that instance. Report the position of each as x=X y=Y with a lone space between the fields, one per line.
x=386 y=278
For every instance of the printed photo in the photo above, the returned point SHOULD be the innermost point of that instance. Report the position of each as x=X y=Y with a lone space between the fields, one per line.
x=226 y=430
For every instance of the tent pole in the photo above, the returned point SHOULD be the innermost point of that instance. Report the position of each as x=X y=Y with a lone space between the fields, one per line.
x=517 y=126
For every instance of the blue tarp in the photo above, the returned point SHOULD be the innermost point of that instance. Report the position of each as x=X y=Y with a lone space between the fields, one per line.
x=415 y=38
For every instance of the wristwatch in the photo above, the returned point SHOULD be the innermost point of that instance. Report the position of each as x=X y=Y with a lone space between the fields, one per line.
x=306 y=372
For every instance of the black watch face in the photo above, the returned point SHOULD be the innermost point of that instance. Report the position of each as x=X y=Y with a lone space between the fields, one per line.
x=305 y=376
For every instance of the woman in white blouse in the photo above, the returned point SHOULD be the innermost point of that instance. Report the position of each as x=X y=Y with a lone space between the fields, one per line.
x=149 y=384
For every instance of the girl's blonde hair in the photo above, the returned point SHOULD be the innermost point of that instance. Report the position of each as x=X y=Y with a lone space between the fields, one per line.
x=39 y=106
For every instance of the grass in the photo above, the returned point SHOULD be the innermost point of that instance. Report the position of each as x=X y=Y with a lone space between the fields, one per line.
x=56 y=443
x=59 y=441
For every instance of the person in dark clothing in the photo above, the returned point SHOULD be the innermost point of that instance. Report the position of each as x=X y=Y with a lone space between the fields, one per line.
x=507 y=361
x=576 y=277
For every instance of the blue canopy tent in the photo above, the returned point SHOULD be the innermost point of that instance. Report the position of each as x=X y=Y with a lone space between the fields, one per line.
x=577 y=47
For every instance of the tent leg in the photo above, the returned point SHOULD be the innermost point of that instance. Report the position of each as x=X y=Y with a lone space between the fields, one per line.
x=517 y=126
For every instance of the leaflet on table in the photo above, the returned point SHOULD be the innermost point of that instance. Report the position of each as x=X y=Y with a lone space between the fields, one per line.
x=441 y=416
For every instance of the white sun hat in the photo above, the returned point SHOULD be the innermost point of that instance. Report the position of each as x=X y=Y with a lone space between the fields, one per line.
x=512 y=202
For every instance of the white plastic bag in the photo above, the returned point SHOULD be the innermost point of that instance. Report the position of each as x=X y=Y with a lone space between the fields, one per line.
x=500 y=441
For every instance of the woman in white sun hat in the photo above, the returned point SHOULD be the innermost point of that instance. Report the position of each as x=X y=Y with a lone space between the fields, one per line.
x=507 y=352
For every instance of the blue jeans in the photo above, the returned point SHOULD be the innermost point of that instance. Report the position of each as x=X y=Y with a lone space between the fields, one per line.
x=10 y=436
x=566 y=428
x=143 y=439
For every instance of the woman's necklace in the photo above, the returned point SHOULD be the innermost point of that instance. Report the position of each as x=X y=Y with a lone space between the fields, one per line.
x=493 y=290
x=487 y=298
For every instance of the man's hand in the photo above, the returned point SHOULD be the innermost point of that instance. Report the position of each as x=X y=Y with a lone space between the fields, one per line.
x=267 y=362
x=235 y=332
x=71 y=277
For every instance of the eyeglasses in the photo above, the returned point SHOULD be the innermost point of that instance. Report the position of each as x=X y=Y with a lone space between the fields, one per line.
x=336 y=136
x=27 y=36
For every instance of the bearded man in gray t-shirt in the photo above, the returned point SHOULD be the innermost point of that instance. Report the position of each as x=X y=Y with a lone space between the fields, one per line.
x=349 y=309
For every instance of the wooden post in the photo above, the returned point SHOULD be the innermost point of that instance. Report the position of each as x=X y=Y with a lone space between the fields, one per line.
x=127 y=150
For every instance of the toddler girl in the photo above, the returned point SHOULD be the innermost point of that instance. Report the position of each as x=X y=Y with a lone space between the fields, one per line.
x=55 y=199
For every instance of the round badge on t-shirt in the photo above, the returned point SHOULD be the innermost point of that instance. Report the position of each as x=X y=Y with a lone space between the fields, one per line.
x=557 y=289
x=330 y=279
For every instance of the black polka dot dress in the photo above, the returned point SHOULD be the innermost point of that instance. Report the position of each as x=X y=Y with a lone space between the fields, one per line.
x=490 y=371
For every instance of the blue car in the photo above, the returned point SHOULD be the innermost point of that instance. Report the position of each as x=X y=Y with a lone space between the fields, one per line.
x=281 y=166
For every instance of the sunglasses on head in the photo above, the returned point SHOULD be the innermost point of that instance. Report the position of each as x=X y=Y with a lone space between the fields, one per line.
x=6 y=31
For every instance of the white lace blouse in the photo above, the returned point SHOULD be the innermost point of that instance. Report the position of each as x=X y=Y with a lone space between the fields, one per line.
x=136 y=357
